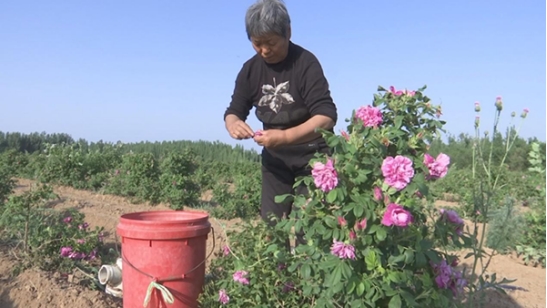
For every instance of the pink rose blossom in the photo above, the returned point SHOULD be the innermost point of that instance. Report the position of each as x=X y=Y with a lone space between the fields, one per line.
x=361 y=225
x=324 y=175
x=396 y=215
x=397 y=171
x=239 y=276
x=448 y=278
x=452 y=217
x=226 y=250
x=342 y=221
x=345 y=135
x=223 y=297
x=437 y=167
x=371 y=116
x=395 y=92
x=342 y=250
x=378 y=194
x=66 y=251
x=67 y=219
x=258 y=133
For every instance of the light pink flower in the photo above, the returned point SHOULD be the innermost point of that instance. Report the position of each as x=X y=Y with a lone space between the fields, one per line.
x=345 y=135
x=342 y=221
x=223 y=297
x=477 y=106
x=524 y=113
x=67 y=219
x=258 y=133
x=239 y=276
x=324 y=175
x=378 y=194
x=410 y=93
x=397 y=171
x=342 y=250
x=437 y=167
x=396 y=215
x=361 y=225
x=371 y=116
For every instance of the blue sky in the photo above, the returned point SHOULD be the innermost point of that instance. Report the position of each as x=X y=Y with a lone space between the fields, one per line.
x=165 y=70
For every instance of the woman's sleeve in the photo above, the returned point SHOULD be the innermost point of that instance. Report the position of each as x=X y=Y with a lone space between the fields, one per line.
x=241 y=103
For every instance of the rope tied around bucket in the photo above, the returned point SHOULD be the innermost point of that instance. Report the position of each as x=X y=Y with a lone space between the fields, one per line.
x=167 y=296
x=155 y=283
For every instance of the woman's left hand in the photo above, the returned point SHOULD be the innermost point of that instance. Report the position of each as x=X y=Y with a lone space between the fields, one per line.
x=271 y=138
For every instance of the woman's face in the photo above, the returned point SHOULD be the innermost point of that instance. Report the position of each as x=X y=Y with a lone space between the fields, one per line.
x=272 y=48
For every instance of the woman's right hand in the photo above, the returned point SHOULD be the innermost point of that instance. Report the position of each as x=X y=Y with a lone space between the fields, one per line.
x=237 y=128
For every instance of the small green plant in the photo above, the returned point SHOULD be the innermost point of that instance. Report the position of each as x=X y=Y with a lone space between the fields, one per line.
x=46 y=238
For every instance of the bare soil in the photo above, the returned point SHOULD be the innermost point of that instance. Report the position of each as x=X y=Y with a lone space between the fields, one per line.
x=36 y=289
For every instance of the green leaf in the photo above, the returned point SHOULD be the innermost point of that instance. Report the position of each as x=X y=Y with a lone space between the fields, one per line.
x=395 y=302
x=398 y=122
x=371 y=260
x=331 y=196
x=381 y=234
x=283 y=198
x=358 y=210
x=360 y=289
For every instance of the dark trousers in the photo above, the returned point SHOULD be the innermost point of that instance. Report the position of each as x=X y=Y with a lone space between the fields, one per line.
x=280 y=168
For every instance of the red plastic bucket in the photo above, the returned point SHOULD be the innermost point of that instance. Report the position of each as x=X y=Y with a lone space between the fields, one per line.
x=163 y=248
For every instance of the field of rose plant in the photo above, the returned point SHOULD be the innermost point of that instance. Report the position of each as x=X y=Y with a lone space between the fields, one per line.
x=375 y=236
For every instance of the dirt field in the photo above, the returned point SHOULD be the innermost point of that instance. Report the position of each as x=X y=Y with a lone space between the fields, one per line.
x=35 y=289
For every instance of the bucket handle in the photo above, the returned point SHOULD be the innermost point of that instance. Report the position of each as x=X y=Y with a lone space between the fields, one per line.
x=156 y=282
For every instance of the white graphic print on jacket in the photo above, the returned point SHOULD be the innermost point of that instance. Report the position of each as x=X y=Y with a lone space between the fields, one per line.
x=275 y=96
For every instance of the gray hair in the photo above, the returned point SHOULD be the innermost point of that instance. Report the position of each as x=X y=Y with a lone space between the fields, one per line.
x=267 y=17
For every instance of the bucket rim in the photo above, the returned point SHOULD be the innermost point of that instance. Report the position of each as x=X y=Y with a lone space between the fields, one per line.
x=186 y=217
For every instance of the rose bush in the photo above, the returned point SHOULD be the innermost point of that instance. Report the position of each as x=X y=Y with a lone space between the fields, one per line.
x=373 y=238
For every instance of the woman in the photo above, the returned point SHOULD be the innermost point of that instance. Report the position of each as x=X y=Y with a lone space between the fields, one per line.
x=286 y=85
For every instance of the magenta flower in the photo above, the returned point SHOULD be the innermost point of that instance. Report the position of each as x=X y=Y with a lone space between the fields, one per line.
x=66 y=251
x=258 y=133
x=225 y=250
x=342 y=250
x=452 y=217
x=361 y=225
x=437 y=167
x=92 y=255
x=378 y=194
x=83 y=226
x=80 y=241
x=448 y=278
x=324 y=175
x=396 y=215
x=223 y=297
x=239 y=276
x=397 y=171
x=342 y=221
x=371 y=116
x=67 y=219
x=394 y=91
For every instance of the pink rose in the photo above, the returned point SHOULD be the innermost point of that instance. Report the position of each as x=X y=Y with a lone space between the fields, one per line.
x=396 y=215
x=324 y=175
x=239 y=276
x=397 y=171
x=437 y=167
x=342 y=250
x=371 y=116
